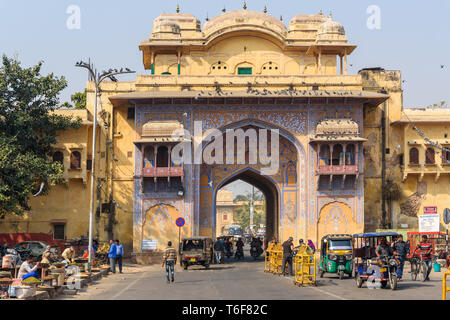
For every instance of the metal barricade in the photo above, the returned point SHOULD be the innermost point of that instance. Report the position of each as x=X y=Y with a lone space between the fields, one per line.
x=276 y=259
x=445 y=289
x=305 y=266
x=268 y=257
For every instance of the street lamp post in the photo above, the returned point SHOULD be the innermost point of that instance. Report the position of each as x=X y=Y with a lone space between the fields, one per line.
x=97 y=78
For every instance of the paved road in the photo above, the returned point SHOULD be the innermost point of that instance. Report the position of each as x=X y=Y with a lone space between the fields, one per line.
x=244 y=280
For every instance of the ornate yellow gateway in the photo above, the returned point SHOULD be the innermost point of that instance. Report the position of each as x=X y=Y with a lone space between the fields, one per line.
x=241 y=70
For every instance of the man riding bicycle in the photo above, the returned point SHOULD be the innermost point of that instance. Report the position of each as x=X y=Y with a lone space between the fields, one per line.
x=425 y=249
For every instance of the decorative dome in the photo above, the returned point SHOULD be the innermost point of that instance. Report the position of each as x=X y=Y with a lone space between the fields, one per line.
x=160 y=128
x=337 y=127
x=244 y=17
x=331 y=30
x=166 y=26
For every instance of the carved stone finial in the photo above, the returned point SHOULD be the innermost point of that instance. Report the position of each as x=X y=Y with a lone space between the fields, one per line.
x=281 y=18
x=178 y=8
x=224 y=10
x=207 y=17
x=265 y=9
x=245 y=5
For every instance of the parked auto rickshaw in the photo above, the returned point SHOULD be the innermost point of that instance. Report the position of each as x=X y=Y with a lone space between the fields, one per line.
x=367 y=267
x=336 y=255
x=196 y=251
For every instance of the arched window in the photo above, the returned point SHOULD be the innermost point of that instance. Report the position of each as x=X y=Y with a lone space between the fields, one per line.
x=324 y=155
x=162 y=158
x=75 y=160
x=429 y=156
x=58 y=157
x=413 y=156
x=149 y=157
x=338 y=155
x=350 y=155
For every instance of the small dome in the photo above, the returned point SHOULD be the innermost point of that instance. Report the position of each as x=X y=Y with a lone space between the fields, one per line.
x=331 y=30
x=166 y=26
x=237 y=17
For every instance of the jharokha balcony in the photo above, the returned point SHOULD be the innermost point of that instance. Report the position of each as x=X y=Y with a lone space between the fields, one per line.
x=335 y=170
x=163 y=172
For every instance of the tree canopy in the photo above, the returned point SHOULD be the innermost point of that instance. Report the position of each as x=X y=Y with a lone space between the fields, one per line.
x=28 y=129
x=243 y=213
x=78 y=99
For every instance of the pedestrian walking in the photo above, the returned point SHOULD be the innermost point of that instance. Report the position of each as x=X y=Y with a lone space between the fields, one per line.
x=119 y=255
x=401 y=248
x=288 y=247
x=169 y=260
x=218 y=250
x=112 y=254
x=425 y=248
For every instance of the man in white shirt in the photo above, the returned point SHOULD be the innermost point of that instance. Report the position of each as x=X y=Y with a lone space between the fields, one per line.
x=27 y=270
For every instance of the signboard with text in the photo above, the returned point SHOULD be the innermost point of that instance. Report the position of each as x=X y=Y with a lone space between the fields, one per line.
x=429 y=223
x=149 y=244
x=430 y=210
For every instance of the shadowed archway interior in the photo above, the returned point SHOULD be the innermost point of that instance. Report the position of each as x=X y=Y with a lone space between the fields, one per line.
x=270 y=192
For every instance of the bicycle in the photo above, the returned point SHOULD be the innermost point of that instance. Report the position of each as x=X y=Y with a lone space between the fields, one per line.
x=418 y=266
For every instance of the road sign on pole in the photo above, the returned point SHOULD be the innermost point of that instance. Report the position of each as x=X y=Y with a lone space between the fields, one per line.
x=180 y=223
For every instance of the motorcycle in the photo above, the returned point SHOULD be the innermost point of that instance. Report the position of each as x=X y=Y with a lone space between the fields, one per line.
x=239 y=254
x=255 y=251
x=228 y=253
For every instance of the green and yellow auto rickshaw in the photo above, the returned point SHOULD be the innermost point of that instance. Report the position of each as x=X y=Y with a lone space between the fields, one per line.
x=336 y=255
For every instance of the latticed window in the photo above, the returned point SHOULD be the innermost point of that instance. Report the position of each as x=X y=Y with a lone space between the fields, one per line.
x=429 y=156
x=414 y=156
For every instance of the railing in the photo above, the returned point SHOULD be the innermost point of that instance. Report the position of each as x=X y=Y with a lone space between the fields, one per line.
x=347 y=169
x=163 y=172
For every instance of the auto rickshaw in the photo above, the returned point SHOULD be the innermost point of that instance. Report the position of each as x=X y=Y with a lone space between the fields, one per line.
x=336 y=255
x=196 y=251
x=367 y=267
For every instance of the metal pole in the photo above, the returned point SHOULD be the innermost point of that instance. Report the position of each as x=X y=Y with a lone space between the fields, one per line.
x=92 y=203
x=252 y=209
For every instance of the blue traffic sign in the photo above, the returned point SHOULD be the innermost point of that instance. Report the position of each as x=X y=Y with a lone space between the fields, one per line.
x=180 y=222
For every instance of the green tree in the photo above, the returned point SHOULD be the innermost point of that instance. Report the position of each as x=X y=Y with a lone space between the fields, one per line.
x=28 y=129
x=243 y=213
x=78 y=99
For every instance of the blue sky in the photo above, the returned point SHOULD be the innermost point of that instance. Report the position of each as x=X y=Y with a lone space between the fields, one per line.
x=414 y=36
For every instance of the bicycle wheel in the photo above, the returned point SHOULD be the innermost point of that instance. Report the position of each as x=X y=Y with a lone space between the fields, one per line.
x=414 y=269
x=423 y=271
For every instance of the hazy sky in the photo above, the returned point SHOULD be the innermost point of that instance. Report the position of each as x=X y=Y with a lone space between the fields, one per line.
x=414 y=35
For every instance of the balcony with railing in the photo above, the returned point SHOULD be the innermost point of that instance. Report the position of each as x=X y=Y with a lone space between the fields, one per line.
x=162 y=172
x=332 y=170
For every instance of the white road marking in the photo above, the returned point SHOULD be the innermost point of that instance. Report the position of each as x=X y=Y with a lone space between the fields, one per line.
x=329 y=293
x=128 y=286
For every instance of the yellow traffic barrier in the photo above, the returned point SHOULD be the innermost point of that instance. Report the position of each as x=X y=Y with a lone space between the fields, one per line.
x=276 y=259
x=445 y=289
x=305 y=266
x=268 y=257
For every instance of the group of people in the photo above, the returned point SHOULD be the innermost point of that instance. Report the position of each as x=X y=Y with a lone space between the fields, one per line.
x=224 y=247
x=29 y=269
x=289 y=252
x=115 y=255
x=401 y=249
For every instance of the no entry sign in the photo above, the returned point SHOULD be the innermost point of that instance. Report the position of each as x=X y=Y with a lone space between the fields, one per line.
x=180 y=222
